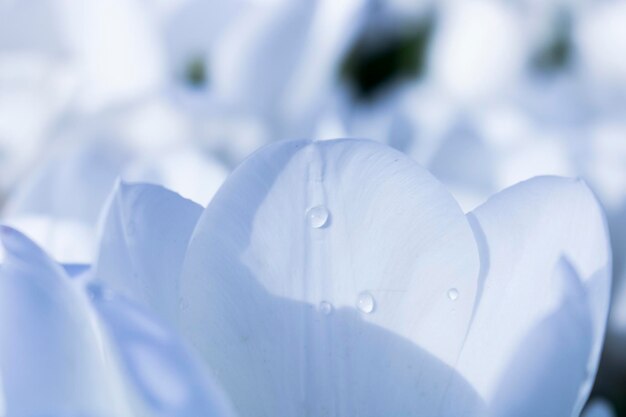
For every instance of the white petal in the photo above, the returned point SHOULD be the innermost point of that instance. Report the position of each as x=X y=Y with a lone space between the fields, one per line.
x=525 y=231
x=282 y=56
x=161 y=371
x=544 y=374
x=50 y=358
x=262 y=265
x=144 y=239
x=459 y=60
x=601 y=36
x=118 y=64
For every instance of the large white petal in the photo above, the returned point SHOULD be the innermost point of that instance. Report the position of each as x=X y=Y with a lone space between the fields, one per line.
x=523 y=233
x=276 y=294
x=143 y=244
x=50 y=357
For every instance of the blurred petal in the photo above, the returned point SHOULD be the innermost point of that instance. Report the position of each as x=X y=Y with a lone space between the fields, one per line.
x=187 y=170
x=601 y=37
x=118 y=64
x=73 y=184
x=466 y=56
x=50 y=356
x=599 y=408
x=331 y=278
x=143 y=244
x=60 y=204
x=166 y=377
x=294 y=48
x=65 y=240
x=523 y=233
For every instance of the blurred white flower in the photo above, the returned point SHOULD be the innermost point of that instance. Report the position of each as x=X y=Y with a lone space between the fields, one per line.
x=121 y=54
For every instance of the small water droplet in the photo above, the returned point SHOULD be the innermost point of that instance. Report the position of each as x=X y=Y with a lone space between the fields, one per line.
x=453 y=294
x=366 y=302
x=182 y=304
x=326 y=308
x=317 y=216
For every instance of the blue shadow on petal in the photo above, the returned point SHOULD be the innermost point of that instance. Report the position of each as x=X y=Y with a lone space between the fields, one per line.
x=161 y=370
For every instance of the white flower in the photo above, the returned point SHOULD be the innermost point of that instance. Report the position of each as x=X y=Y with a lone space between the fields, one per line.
x=334 y=278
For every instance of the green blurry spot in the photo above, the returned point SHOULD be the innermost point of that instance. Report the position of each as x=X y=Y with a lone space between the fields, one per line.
x=374 y=64
x=196 y=74
x=556 y=55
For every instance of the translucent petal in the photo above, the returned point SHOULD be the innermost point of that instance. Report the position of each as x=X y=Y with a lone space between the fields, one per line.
x=143 y=244
x=523 y=234
x=318 y=283
x=50 y=357
x=161 y=371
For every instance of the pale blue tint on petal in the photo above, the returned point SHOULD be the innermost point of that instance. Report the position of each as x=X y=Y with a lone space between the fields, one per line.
x=523 y=233
x=159 y=369
x=258 y=282
x=143 y=243
x=76 y=270
x=50 y=358
x=543 y=376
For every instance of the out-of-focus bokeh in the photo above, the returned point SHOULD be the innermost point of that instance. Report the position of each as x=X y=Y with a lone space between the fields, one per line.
x=484 y=93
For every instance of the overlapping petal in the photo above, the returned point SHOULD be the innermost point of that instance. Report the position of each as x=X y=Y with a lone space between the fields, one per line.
x=64 y=353
x=143 y=244
x=51 y=359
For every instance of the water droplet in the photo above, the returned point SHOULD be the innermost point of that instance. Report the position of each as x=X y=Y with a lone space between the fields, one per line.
x=182 y=304
x=326 y=307
x=366 y=302
x=453 y=294
x=317 y=216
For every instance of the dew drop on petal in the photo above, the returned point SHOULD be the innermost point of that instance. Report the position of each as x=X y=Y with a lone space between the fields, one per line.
x=317 y=216
x=326 y=308
x=365 y=302
x=453 y=294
